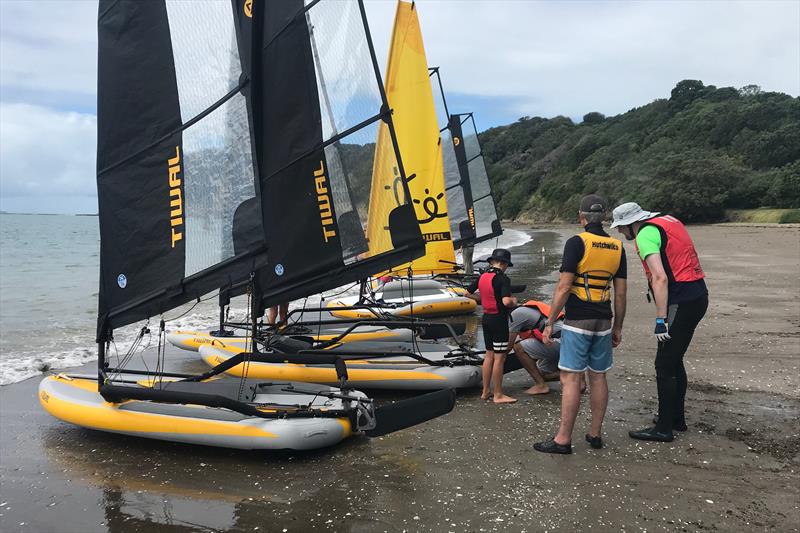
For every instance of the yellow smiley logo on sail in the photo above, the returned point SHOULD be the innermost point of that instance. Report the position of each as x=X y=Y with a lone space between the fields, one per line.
x=456 y=141
x=248 y=8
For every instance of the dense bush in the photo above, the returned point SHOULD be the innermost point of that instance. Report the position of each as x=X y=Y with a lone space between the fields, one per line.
x=695 y=154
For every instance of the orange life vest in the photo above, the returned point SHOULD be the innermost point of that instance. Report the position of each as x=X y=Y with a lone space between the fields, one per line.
x=542 y=308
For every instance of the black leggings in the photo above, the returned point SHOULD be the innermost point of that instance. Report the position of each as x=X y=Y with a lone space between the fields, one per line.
x=670 y=372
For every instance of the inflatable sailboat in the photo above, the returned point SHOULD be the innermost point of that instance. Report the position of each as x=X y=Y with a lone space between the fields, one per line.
x=201 y=147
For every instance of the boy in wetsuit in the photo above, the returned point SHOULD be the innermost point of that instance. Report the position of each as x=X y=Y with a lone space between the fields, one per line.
x=497 y=302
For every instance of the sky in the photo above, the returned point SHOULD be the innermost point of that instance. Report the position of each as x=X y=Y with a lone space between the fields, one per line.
x=500 y=59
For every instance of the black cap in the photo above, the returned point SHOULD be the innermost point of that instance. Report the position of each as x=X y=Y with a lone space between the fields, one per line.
x=501 y=254
x=593 y=203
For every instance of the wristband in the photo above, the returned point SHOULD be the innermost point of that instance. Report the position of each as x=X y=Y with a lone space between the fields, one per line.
x=661 y=321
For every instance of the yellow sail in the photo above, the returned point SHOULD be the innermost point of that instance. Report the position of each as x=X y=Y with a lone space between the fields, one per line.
x=408 y=90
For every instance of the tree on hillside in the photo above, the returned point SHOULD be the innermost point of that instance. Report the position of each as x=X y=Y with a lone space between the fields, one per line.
x=594 y=118
x=685 y=92
x=750 y=90
x=704 y=150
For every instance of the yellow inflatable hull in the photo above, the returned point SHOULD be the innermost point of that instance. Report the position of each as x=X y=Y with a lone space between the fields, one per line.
x=385 y=374
x=77 y=401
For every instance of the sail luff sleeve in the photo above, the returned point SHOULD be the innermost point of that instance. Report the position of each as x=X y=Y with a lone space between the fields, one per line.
x=174 y=157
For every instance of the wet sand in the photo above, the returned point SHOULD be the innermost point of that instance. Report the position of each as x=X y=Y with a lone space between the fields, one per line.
x=736 y=468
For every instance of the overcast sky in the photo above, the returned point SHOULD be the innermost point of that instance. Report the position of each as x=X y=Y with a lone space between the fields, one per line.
x=500 y=59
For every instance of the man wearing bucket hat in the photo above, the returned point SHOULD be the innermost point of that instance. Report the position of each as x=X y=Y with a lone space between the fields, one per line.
x=497 y=302
x=593 y=262
x=676 y=281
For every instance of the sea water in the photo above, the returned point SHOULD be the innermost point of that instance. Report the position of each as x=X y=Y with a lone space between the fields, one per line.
x=49 y=272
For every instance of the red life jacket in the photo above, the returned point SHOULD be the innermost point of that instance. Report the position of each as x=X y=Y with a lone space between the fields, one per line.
x=488 y=297
x=682 y=263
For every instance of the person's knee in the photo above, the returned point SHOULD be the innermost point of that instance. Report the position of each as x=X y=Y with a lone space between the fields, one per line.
x=596 y=377
x=570 y=378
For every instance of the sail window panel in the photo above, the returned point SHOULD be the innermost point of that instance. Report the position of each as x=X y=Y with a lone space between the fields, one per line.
x=346 y=83
x=471 y=146
x=478 y=178
x=457 y=210
x=485 y=214
x=351 y=231
x=206 y=54
x=452 y=177
x=218 y=178
x=350 y=165
x=456 y=204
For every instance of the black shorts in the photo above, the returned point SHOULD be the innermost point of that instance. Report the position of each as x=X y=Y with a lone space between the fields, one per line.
x=495 y=332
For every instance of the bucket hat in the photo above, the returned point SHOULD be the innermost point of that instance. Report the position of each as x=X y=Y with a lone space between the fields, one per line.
x=630 y=212
x=501 y=254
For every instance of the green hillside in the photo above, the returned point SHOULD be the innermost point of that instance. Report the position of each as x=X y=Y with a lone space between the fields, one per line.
x=696 y=154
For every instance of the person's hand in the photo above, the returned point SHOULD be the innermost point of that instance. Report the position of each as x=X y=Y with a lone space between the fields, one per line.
x=548 y=330
x=662 y=330
x=616 y=337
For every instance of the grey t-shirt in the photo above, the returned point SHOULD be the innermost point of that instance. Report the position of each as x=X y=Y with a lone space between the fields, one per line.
x=524 y=319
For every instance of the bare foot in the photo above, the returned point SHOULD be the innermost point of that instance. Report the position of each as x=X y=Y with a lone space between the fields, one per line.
x=538 y=389
x=486 y=395
x=502 y=398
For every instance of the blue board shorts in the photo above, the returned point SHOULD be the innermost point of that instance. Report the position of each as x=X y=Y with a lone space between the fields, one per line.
x=586 y=344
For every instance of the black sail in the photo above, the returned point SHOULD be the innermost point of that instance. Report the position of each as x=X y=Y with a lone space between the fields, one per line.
x=473 y=170
x=221 y=131
x=459 y=200
x=319 y=94
x=174 y=157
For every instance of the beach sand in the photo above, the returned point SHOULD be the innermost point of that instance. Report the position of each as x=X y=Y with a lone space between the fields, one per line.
x=736 y=468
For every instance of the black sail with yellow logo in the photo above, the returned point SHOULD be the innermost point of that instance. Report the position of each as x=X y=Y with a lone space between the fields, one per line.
x=457 y=186
x=226 y=134
x=321 y=104
x=175 y=166
x=472 y=168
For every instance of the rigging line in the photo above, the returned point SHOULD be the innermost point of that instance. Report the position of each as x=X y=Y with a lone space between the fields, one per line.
x=233 y=92
x=162 y=352
x=214 y=295
x=302 y=11
x=249 y=339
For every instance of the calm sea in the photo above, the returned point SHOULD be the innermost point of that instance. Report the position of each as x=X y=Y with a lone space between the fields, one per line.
x=49 y=268
x=49 y=271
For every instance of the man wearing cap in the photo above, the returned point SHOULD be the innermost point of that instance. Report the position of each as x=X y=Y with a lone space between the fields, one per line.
x=677 y=283
x=592 y=263
x=497 y=302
